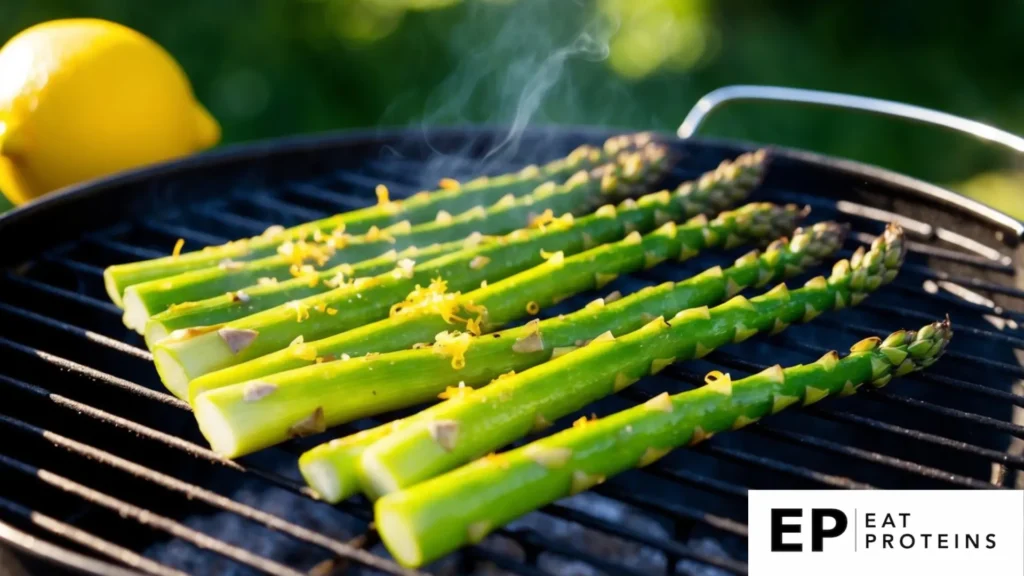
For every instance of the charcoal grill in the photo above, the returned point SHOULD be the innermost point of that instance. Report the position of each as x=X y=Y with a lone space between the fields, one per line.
x=101 y=471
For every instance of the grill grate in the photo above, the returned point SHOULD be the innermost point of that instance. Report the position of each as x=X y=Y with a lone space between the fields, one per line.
x=94 y=447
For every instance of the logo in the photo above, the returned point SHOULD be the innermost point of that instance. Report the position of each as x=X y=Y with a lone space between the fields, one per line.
x=818 y=530
x=886 y=532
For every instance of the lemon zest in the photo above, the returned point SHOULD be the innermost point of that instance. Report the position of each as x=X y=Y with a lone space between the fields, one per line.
x=459 y=391
x=453 y=345
x=301 y=310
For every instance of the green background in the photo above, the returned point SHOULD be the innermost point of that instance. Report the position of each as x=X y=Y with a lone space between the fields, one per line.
x=269 y=68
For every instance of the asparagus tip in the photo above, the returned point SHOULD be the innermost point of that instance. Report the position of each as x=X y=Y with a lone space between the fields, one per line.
x=906 y=351
x=896 y=246
x=940 y=333
x=820 y=239
x=782 y=220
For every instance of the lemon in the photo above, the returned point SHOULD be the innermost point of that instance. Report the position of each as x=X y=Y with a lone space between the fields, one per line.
x=84 y=98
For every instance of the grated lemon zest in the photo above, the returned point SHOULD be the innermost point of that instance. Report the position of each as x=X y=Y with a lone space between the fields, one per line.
x=449 y=184
x=459 y=391
x=184 y=305
x=543 y=219
x=301 y=310
x=453 y=345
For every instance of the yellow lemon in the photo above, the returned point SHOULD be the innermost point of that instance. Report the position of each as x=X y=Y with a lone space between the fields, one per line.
x=84 y=98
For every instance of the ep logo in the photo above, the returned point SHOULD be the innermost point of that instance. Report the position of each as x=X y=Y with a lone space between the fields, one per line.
x=859 y=532
x=824 y=523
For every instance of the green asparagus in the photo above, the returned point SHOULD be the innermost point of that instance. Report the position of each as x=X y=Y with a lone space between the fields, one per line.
x=487 y=308
x=385 y=382
x=460 y=429
x=579 y=195
x=421 y=207
x=235 y=424
x=458 y=508
x=191 y=352
x=413 y=324
x=187 y=354
x=253 y=299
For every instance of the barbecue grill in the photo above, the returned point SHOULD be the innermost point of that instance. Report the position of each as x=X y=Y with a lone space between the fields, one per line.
x=104 y=472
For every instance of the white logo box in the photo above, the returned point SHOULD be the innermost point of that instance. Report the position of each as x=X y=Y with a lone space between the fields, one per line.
x=912 y=532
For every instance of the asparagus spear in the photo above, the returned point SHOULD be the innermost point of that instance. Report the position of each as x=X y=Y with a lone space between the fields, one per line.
x=419 y=208
x=579 y=195
x=236 y=424
x=188 y=354
x=729 y=183
x=253 y=299
x=461 y=429
x=462 y=506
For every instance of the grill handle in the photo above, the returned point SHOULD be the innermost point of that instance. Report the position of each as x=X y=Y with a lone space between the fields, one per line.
x=717 y=98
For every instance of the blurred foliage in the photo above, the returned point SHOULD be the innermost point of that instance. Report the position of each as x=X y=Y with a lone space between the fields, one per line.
x=274 y=67
x=1001 y=189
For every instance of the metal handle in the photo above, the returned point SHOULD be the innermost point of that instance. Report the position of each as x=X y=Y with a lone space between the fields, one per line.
x=717 y=98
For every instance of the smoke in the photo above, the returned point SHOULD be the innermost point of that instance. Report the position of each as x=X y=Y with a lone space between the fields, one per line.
x=590 y=45
x=511 y=63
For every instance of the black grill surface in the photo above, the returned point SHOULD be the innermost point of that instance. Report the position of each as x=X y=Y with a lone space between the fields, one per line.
x=100 y=467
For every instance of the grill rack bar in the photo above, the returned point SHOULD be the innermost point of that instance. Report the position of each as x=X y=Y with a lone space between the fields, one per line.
x=1011 y=460
x=193 y=492
x=81 y=562
x=95 y=375
x=116 y=345
x=88 y=540
x=145 y=517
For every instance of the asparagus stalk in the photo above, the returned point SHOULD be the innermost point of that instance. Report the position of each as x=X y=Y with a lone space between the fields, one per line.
x=729 y=183
x=235 y=424
x=579 y=195
x=189 y=353
x=461 y=429
x=462 y=506
x=253 y=299
x=419 y=208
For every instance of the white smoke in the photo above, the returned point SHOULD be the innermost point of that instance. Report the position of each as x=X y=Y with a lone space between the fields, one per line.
x=511 y=62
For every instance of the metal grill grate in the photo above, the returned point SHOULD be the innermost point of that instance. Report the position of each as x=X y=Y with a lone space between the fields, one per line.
x=98 y=459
